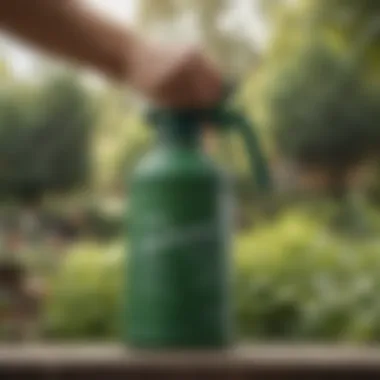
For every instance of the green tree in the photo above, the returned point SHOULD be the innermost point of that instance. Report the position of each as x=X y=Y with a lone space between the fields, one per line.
x=314 y=95
x=318 y=124
x=44 y=136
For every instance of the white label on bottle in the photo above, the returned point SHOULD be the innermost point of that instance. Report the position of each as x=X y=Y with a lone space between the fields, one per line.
x=167 y=237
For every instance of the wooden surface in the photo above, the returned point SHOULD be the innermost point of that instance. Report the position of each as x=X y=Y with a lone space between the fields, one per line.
x=261 y=362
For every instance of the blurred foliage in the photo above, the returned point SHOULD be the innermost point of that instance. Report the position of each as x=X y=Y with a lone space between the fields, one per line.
x=314 y=99
x=120 y=139
x=85 y=295
x=301 y=282
x=296 y=280
x=44 y=136
x=317 y=124
x=315 y=93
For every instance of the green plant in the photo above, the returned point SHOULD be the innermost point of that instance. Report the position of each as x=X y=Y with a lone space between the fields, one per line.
x=296 y=280
x=84 y=302
x=45 y=132
x=299 y=281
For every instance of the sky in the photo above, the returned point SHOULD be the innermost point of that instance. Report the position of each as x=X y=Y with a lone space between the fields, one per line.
x=23 y=59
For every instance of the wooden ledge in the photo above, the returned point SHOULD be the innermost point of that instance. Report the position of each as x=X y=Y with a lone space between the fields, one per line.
x=241 y=363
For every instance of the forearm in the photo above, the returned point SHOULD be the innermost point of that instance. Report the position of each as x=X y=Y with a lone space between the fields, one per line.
x=69 y=30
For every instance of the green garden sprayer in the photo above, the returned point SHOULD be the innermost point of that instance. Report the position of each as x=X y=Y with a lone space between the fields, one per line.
x=179 y=272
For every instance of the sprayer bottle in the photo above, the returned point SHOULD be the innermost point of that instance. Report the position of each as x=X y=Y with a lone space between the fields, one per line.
x=179 y=269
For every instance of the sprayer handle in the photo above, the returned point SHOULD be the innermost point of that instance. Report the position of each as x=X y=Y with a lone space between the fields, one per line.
x=225 y=118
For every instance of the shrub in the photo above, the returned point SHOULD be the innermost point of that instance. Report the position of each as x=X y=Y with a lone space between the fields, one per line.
x=295 y=281
x=298 y=281
x=83 y=300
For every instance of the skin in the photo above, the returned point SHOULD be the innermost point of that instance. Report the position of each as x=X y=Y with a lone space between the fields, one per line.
x=166 y=75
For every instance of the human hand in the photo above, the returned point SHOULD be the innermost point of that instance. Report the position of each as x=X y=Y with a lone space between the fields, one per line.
x=174 y=76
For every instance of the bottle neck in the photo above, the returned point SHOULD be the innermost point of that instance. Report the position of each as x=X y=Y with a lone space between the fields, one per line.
x=179 y=134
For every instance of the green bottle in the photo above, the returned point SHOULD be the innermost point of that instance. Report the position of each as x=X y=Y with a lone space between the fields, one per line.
x=179 y=269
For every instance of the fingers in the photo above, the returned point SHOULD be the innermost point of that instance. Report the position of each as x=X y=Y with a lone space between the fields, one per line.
x=203 y=82
x=179 y=77
x=206 y=83
x=194 y=82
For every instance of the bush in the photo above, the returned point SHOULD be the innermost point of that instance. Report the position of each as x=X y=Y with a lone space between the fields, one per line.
x=45 y=135
x=295 y=281
x=83 y=301
x=298 y=281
